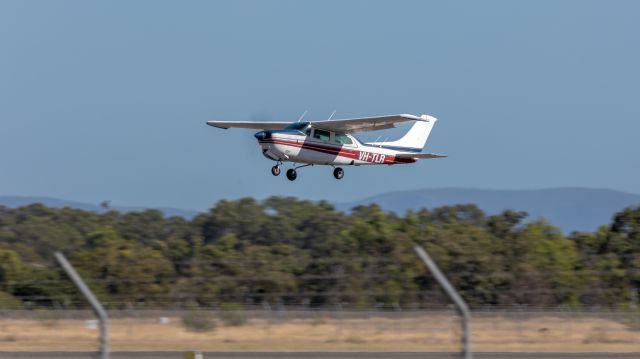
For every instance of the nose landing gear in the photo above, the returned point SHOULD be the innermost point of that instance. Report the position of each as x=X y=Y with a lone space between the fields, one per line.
x=275 y=170
x=338 y=173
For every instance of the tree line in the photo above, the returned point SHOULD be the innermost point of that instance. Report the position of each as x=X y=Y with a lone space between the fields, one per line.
x=286 y=251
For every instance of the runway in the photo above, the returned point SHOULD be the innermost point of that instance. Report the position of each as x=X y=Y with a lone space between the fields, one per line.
x=312 y=355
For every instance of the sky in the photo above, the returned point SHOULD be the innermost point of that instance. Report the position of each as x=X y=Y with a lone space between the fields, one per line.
x=108 y=100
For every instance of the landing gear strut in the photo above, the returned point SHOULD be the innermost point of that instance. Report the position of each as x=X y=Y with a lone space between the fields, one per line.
x=338 y=173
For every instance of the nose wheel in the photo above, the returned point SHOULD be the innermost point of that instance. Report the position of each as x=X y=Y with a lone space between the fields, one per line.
x=338 y=173
x=275 y=170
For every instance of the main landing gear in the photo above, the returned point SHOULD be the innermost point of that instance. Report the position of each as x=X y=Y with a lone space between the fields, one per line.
x=338 y=173
x=292 y=174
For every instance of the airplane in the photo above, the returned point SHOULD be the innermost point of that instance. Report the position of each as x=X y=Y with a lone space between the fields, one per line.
x=331 y=142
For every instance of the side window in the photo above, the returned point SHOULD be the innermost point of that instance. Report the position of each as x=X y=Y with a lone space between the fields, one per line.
x=321 y=135
x=343 y=139
x=307 y=132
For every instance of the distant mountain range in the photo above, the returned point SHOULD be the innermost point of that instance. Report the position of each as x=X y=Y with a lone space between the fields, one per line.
x=19 y=201
x=571 y=209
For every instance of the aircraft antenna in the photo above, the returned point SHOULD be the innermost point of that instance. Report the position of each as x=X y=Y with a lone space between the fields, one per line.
x=332 y=113
x=302 y=116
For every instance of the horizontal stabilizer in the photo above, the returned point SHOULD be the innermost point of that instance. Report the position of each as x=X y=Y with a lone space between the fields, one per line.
x=420 y=155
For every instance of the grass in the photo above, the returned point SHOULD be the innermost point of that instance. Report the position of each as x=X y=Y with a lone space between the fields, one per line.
x=417 y=332
x=199 y=321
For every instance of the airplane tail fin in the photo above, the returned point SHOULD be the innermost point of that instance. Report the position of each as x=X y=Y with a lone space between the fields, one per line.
x=415 y=138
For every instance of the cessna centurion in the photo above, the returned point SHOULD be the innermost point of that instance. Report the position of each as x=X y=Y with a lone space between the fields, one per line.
x=331 y=142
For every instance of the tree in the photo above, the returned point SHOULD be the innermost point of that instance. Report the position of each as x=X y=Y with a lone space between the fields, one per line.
x=285 y=250
x=130 y=272
x=10 y=268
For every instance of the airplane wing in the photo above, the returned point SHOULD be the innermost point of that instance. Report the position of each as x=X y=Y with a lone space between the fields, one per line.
x=350 y=125
x=420 y=155
x=256 y=125
x=364 y=124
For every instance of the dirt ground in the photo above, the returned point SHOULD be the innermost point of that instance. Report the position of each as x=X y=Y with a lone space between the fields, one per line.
x=419 y=332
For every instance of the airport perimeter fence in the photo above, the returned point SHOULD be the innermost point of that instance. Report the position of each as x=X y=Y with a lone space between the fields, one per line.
x=56 y=319
x=329 y=329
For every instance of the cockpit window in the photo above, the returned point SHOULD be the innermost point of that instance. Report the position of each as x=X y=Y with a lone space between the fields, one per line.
x=343 y=139
x=298 y=126
x=321 y=135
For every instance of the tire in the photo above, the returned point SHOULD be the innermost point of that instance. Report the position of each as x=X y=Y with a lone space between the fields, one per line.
x=338 y=173
x=275 y=170
x=292 y=174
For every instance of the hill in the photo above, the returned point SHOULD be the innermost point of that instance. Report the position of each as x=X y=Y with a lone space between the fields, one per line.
x=571 y=209
x=19 y=201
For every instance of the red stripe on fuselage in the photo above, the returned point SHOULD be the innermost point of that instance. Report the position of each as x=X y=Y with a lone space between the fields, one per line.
x=337 y=151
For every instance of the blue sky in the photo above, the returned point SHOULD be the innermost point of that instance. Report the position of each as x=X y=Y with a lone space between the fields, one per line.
x=108 y=100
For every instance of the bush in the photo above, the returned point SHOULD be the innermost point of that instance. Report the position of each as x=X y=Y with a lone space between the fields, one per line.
x=7 y=301
x=198 y=320
x=232 y=314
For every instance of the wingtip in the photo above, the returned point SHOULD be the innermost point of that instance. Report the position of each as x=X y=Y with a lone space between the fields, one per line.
x=216 y=125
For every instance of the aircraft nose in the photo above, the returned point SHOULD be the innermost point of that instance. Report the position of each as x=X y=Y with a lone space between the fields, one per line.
x=262 y=135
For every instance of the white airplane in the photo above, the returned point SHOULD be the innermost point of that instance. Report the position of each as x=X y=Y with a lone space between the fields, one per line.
x=331 y=142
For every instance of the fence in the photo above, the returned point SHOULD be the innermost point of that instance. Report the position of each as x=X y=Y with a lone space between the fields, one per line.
x=190 y=315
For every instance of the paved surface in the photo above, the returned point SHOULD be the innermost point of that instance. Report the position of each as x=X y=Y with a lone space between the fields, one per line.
x=311 y=355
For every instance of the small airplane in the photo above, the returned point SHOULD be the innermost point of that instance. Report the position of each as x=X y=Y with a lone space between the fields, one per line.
x=331 y=142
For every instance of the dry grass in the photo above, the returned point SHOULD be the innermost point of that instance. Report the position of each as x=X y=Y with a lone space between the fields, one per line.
x=421 y=332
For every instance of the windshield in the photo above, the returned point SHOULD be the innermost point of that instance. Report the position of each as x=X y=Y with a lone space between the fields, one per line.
x=298 y=126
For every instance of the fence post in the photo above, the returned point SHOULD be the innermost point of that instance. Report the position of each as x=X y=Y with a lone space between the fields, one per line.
x=95 y=304
x=461 y=306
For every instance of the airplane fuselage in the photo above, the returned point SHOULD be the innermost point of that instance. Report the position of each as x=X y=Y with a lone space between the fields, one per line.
x=332 y=149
